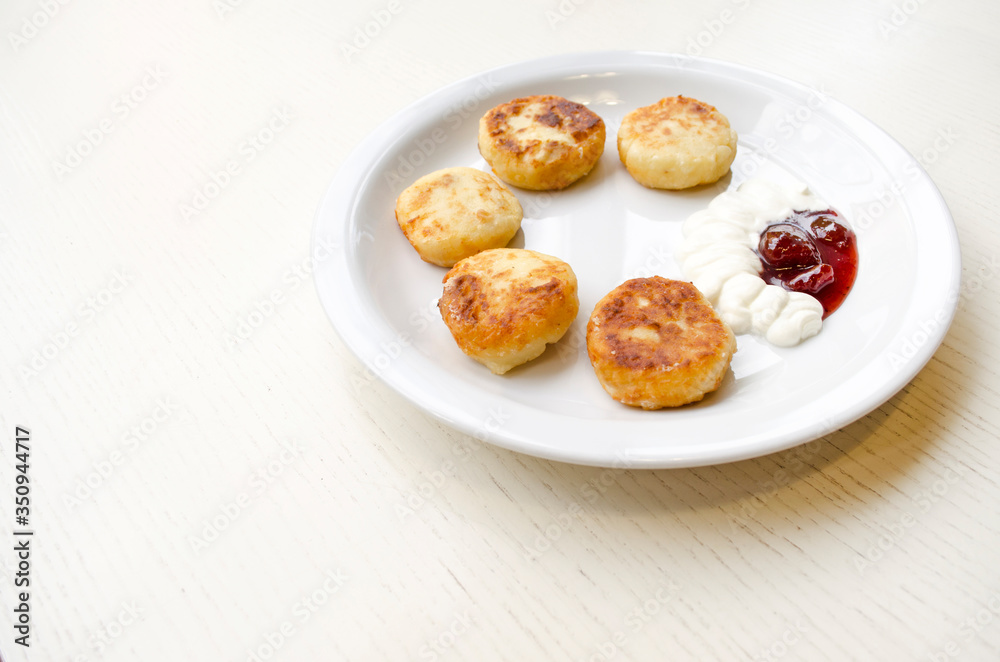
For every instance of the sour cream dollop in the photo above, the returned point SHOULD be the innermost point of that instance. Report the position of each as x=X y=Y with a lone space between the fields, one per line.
x=717 y=255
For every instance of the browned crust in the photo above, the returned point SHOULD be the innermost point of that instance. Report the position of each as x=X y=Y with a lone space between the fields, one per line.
x=455 y=212
x=572 y=118
x=481 y=317
x=416 y=199
x=479 y=325
x=523 y=156
x=675 y=308
x=657 y=342
x=678 y=108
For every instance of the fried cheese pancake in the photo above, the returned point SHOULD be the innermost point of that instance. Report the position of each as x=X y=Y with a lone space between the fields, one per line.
x=453 y=213
x=541 y=142
x=658 y=343
x=676 y=143
x=504 y=305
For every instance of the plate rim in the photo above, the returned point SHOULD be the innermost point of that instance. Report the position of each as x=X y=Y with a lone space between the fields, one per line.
x=523 y=443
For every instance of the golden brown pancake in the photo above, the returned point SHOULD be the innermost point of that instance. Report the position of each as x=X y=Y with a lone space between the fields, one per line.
x=676 y=143
x=657 y=343
x=541 y=142
x=453 y=213
x=504 y=305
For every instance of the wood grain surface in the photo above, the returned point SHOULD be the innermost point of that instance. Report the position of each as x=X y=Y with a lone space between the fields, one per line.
x=208 y=482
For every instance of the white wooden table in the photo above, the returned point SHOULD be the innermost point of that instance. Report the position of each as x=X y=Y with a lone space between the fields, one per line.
x=206 y=484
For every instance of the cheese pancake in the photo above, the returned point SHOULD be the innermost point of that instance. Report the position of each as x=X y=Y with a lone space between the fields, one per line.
x=453 y=213
x=503 y=306
x=676 y=143
x=541 y=143
x=658 y=343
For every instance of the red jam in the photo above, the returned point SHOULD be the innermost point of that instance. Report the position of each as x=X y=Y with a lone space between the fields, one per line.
x=811 y=252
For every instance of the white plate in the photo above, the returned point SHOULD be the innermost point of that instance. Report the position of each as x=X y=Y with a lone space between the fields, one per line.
x=381 y=297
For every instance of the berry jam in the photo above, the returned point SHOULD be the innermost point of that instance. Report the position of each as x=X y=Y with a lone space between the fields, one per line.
x=811 y=252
